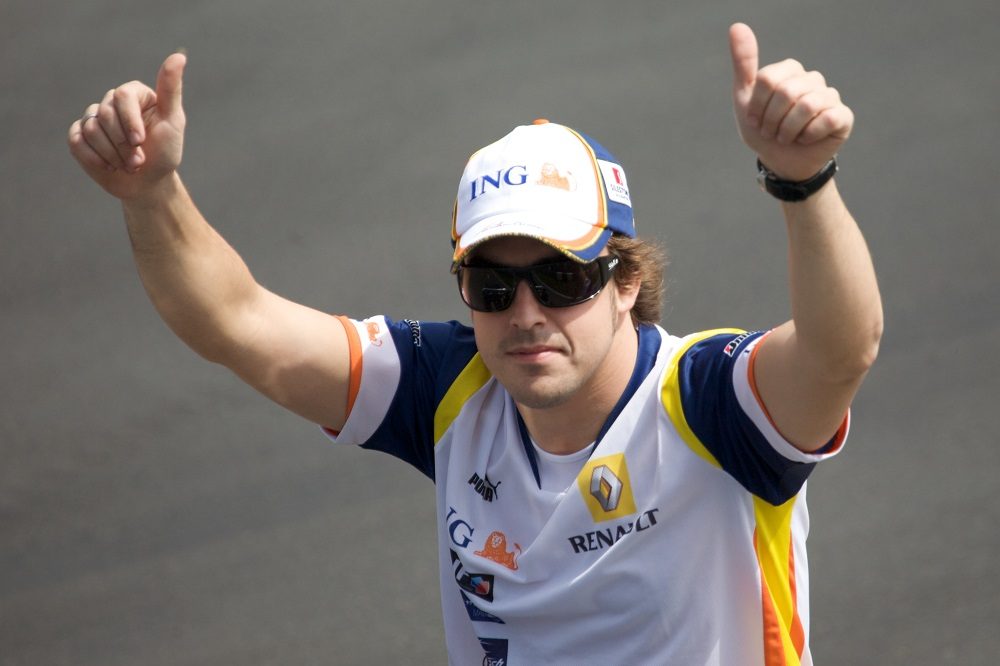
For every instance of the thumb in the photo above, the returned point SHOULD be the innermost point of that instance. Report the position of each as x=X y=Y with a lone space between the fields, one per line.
x=743 y=49
x=169 y=82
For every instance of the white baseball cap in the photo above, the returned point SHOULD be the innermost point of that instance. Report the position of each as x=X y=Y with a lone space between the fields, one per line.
x=544 y=181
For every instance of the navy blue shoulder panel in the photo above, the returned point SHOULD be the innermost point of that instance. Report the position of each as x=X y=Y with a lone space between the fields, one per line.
x=431 y=356
x=716 y=418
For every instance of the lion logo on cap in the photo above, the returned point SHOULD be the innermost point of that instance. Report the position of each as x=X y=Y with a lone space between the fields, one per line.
x=552 y=178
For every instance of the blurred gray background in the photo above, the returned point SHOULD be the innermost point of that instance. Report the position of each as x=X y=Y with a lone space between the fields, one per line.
x=153 y=510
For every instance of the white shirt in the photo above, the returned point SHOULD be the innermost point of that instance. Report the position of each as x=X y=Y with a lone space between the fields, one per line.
x=678 y=539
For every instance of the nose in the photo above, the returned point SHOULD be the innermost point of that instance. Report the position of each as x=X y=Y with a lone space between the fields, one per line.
x=525 y=310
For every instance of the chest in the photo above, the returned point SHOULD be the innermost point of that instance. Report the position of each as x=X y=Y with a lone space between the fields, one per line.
x=642 y=513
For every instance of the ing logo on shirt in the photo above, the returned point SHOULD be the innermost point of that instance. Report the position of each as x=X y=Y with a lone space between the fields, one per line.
x=606 y=489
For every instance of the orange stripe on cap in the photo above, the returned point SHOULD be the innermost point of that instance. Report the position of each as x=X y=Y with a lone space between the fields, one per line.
x=602 y=202
x=583 y=242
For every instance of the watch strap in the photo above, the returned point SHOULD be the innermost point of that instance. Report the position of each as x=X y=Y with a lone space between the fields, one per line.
x=791 y=190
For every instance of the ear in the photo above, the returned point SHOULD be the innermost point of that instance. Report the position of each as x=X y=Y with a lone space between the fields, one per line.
x=627 y=294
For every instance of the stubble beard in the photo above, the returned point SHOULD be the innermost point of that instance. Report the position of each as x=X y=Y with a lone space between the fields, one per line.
x=546 y=390
x=547 y=393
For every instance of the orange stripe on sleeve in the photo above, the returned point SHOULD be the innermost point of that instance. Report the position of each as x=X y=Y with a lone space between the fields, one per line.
x=753 y=379
x=354 y=346
x=838 y=439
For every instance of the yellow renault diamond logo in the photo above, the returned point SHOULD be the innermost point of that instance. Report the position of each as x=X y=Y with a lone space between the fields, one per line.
x=605 y=487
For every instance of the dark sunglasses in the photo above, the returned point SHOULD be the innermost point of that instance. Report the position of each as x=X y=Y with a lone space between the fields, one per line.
x=558 y=284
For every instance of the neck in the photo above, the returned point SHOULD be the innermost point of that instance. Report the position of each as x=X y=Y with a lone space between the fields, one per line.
x=574 y=424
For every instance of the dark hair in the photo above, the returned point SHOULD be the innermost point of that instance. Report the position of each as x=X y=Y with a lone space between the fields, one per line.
x=642 y=261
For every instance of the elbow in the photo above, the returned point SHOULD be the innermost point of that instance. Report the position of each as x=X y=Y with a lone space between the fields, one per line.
x=866 y=357
x=844 y=356
x=872 y=340
x=859 y=357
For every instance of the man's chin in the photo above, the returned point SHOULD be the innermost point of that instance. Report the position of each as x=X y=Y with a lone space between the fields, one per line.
x=544 y=394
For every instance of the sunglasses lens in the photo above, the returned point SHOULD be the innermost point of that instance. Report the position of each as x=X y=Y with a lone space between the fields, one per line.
x=486 y=289
x=556 y=285
x=565 y=283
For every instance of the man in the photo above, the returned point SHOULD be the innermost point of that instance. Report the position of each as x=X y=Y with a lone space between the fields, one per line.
x=607 y=493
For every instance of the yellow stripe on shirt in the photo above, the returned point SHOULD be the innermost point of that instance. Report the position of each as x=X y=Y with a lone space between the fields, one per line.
x=472 y=378
x=670 y=393
x=784 y=639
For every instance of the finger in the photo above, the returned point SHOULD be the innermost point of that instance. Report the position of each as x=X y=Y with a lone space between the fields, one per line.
x=82 y=152
x=743 y=49
x=95 y=137
x=169 y=85
x=130 y=101
x=834 y=123
x=803 y=110
x=107 y=115
x=768 y=79
x=785 y=96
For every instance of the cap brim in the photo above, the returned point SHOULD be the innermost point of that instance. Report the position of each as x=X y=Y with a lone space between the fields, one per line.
x=578 y=240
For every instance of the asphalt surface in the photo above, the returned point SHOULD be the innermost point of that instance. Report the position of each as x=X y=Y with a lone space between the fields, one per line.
x=153 y=510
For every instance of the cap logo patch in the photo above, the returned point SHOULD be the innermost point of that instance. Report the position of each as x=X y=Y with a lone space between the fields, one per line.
x=513 y=175
x=614 y=180
x=552 y=177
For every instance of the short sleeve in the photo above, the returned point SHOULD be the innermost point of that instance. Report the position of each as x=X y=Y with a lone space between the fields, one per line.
x=721 y=407
x=399 y=373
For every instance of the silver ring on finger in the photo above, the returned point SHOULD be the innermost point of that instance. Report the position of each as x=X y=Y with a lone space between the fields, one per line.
x=86 y=117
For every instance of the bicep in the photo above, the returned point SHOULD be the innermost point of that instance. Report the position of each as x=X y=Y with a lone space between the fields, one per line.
x=296 y=356
x=805 y=404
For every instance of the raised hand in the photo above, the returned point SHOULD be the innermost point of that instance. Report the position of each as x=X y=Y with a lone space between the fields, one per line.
x=134 y=137
x=790 y=117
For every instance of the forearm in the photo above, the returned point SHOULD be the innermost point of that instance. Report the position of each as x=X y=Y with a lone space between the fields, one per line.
x=836 y=307
x=195 y=280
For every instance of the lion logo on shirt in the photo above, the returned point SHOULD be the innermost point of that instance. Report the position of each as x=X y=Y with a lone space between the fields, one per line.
x=495 y=549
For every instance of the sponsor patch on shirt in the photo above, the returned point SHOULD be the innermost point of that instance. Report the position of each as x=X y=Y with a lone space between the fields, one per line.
x=496 y=651
x=495 y=549
x=606 y=489
x=734 y=344
x=488 y=490
x=414 y=331
x=476 y=584
x=477 y=614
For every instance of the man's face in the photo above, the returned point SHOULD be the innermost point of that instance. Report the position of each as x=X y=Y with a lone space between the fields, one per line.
x=544 y=356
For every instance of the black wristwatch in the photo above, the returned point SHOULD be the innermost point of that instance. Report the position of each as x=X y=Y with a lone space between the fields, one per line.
x=791 y=190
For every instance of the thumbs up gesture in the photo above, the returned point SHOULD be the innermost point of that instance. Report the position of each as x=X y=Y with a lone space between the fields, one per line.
x=134 y=137
x=790 y=117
